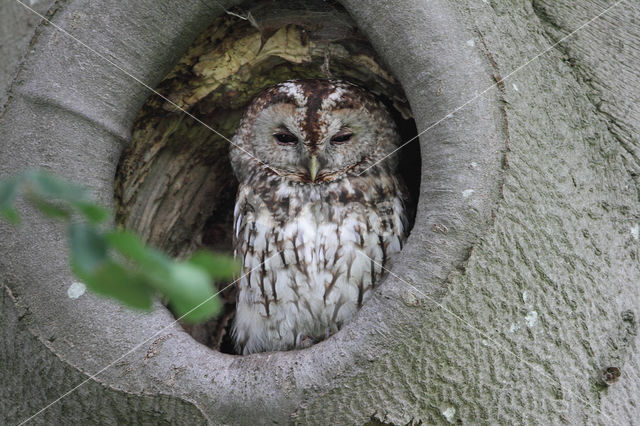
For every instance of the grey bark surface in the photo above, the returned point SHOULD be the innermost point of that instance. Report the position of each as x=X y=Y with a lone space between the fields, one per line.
x=517 y=287
x=17 y=25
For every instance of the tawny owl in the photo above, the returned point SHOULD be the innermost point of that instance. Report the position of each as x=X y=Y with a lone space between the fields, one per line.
x=317 y=211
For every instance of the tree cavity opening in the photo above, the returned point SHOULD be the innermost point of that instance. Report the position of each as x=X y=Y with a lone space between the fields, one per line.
x=175 y=185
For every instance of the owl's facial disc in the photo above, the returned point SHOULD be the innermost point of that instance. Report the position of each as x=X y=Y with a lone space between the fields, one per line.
x=339 y=140
x=318 y=131
x=285 y=138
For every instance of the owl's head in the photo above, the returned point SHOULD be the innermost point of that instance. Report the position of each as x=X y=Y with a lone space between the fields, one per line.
x=314 y=131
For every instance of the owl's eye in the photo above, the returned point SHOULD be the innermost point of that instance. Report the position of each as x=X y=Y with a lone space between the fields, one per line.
x=286 y=138
x=341 y=137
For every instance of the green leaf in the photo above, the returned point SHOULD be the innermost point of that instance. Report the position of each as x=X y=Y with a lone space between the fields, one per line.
x=127 y=243
x=46 y=185
x=93 y=212
x=218 y=266
x=187 y=285
x=131 y=246
x=9 y=191
x=190 y=293
x=11 y=215
x=88 y=248
x=53 y=210
x=114 y=280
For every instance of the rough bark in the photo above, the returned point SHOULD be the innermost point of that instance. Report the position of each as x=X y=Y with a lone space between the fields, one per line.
x=17 y=25
x=524 y=289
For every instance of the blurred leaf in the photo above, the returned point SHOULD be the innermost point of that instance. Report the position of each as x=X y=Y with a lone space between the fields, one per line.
x=188 y=285
x=218 y=266
x=53 y=210
x=131 y=246
x=11 y=215
x=113 y=280
x=185 y=284
x=190 y=292
x=93 y=212
x=127 y=243
x=9 y=191
x=88 y=248
x=47 y=185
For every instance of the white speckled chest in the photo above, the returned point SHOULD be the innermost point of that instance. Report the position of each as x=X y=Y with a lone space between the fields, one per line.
x=311 y=255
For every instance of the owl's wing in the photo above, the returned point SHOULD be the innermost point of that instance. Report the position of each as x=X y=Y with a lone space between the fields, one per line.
x=251 y=228
x=254 y=239
x=242 y=211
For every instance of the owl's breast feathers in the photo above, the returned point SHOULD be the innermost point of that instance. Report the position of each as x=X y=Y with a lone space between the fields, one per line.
x=311 y=254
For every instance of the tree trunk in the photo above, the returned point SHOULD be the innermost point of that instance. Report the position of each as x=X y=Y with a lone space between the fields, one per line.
x=514 y=301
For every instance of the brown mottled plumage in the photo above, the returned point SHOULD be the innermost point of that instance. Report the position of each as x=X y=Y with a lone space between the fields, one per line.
x=313 y=208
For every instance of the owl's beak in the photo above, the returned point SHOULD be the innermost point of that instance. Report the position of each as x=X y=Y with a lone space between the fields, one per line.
x=314 y=166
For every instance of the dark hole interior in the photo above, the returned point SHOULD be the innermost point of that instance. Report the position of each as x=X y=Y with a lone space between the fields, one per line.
x=175 y=185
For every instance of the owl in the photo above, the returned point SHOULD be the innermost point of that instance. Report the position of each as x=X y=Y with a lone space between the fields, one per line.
x=319 y=211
